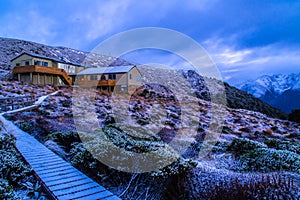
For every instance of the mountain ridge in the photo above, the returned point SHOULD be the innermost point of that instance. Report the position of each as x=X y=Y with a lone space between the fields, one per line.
x=278 y=90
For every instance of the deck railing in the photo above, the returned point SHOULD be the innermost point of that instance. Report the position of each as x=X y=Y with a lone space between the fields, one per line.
x=12 y=103
x=43 y=69
x=95 y=83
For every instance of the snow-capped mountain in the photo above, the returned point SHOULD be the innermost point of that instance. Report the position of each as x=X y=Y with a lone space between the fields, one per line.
x=281 y=91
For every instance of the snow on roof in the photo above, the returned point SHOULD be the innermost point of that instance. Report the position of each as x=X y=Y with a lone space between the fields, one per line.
x=107 y=70
x=46 y=57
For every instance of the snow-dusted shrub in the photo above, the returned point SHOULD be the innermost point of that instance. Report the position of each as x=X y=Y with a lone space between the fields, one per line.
x=66 y=103
x=26 y=126
x=11 y=168
x=15 y=175
x=283 y=145
x=82 y=158
x=204 y=183
x=267 y=160
x=242 y=145
x=6 y=190
x=181 y=166
x=64 y=138
x=220 y=147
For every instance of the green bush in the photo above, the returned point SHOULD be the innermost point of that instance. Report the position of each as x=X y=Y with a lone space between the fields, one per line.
x=242 y=145
x=64 y=138
x=12 y=168
x=255 y=156
x=14 y=173
x=268 y=160
x=283 y=145
x=82 y=158
x=176 y=168
x=26 y=126
x=6 y=190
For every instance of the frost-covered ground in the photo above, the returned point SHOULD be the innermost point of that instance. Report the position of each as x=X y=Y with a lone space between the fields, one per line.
x=255 y=157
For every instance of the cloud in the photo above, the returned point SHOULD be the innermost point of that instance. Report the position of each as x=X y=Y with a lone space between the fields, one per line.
x=30 y=26
x=237 y=65
x=100 y=18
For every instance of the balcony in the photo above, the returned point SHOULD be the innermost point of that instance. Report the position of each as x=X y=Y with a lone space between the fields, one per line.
x=43 y=69
x=95 y=83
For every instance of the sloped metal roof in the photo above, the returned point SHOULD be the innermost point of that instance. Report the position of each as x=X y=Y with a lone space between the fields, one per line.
x=106 y=70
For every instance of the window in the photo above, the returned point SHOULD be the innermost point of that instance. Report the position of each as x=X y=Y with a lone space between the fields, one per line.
x=138 y=79
x=45 y=64
x=130 y=76
x=112 y=76
x=17 y=64
x=93 y=77
x=37 y=62
x=26 y=63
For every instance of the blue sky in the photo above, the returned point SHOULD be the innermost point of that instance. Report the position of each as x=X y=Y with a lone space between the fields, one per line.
x=245 y=38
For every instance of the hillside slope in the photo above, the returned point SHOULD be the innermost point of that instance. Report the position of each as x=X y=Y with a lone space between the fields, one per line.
x=235 y=97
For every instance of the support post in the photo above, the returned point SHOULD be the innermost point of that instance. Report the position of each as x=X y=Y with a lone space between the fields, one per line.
x=31 y=79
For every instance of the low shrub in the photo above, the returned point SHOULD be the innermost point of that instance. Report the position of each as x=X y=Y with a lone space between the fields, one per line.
x=242 y=145
x=283 y=145
x=6 y=190
x=26 y=126
x=11 y=168
x=268 y=160
x=64 y=138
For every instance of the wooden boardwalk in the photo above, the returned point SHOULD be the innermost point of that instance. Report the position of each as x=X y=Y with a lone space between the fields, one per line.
x=58 y=177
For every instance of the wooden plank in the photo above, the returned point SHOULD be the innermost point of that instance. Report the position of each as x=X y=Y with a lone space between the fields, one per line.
x=39 y=161
x=83 y=193
x=65 y=180
x=77 y=189
x=56 y=178
x=73 y=184
x=114 y=197
x=42 y=171
x=37 y=155
x=99 y=195
x=53 y=166
x=56 y=173
x=49 y=164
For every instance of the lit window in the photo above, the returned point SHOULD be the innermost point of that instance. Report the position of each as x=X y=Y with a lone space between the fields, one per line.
x=37 y=62
x=112 y=76
x=93 y=77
